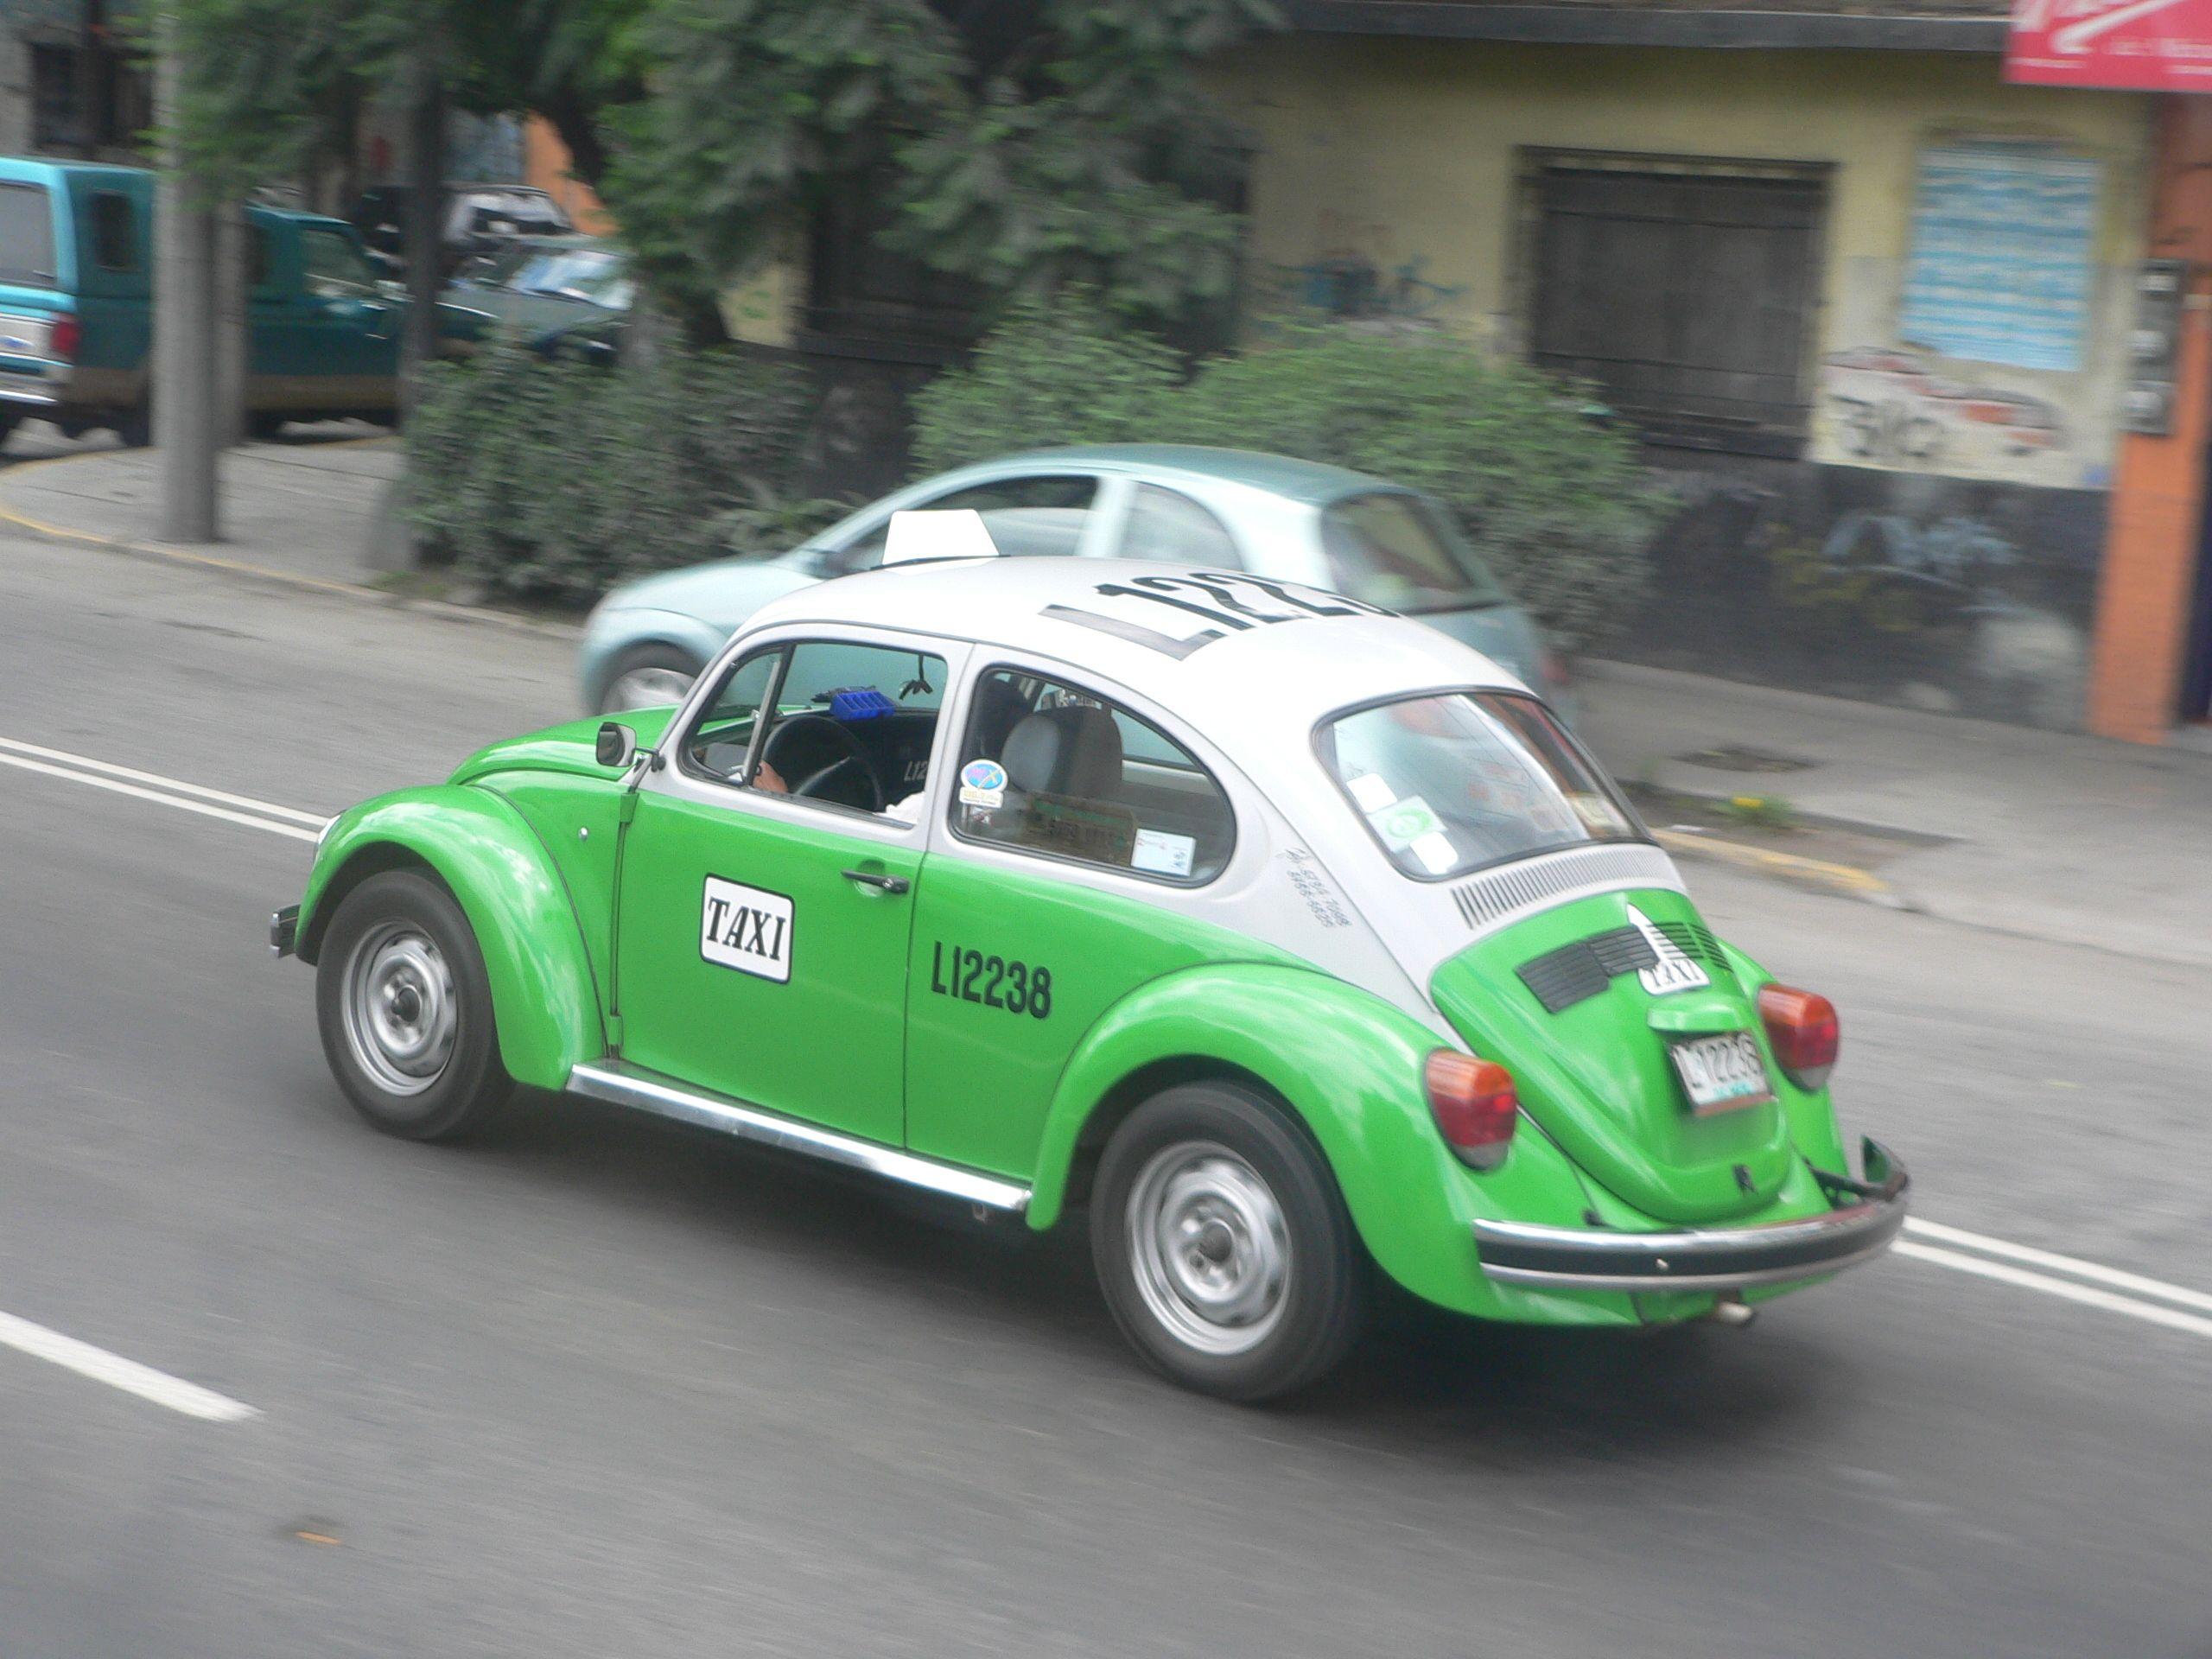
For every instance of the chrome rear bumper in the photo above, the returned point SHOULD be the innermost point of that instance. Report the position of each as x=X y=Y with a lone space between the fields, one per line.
x=1717 y=1258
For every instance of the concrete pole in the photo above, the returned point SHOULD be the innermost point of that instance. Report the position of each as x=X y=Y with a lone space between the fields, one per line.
x=233 y=339
x=184 y=334
x=423 y=222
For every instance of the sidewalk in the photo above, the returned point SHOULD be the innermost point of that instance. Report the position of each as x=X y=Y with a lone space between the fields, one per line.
x=2038 y=833
x=307 y=508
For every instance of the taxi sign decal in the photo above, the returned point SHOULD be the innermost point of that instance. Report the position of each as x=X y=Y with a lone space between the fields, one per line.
x=747 y=928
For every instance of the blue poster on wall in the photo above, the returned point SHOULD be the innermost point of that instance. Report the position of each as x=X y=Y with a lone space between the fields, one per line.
x=2002 y=264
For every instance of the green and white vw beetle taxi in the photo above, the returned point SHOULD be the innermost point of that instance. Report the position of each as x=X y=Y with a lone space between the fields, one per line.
x=1290 y=940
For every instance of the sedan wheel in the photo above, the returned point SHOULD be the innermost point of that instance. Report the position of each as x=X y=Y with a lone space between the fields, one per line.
x=648 y=677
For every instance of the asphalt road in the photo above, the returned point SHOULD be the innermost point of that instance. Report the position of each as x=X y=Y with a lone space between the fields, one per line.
x=604 y=1386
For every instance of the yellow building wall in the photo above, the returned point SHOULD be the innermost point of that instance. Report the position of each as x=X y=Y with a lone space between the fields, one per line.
x=1407 y=153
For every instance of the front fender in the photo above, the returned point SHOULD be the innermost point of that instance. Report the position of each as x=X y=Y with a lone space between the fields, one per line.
x=544 y=1000
x=1349 y=1066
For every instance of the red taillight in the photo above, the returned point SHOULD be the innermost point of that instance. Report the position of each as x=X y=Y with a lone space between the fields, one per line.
x=1475 y=1106
x=63 y=339
x=1802 y=1027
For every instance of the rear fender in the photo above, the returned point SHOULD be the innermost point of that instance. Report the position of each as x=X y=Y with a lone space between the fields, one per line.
x=544 y=1000
x=1348 y=1065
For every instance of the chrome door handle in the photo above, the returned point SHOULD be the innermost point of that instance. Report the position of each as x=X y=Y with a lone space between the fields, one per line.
x=881 y=883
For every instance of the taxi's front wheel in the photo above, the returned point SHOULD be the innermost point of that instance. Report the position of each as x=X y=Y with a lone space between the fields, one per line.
x=1222 y=1245
x=405 y=1010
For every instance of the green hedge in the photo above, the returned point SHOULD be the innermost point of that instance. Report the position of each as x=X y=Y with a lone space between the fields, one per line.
x=1554 y=499
x=556 y=480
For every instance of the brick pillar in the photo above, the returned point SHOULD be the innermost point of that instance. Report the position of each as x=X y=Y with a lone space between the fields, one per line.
x=2149 y=574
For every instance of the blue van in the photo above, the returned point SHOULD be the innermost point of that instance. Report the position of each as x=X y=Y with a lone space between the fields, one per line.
x=76 y=307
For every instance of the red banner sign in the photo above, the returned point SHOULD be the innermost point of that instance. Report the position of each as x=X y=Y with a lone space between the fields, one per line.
x=2152 y=46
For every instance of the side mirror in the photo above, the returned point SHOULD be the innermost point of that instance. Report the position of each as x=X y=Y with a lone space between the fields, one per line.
x=617 y=745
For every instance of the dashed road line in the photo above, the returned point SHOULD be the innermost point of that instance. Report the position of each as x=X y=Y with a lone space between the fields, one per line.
x=2087 y=1295
x=128 y=1375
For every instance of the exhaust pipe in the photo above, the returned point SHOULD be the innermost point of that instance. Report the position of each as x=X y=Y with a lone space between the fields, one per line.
x=1729 y=1309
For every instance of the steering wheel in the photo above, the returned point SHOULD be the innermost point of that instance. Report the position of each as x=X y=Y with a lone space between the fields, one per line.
x=815 y=784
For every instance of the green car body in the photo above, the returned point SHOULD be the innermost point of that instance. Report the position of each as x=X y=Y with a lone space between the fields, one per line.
x=987 y=1023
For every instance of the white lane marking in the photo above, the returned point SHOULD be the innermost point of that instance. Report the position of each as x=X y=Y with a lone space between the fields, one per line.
x=177 y=801
x=2173 y=1318
x=174 y=785
x=120 y=1373
x=2155 y=1289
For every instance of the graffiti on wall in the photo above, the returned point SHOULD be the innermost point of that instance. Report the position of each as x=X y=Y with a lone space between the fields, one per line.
x=1964 y=596
x=1884 y=406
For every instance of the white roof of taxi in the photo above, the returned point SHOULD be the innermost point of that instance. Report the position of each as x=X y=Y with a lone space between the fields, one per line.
x=1122 y=621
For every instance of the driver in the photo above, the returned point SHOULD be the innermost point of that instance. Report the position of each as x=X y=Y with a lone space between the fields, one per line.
x=905 y=809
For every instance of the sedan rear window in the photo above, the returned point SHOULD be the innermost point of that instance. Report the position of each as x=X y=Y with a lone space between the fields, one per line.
x=1404 y=553
x=26 y=235
x=1452 y=782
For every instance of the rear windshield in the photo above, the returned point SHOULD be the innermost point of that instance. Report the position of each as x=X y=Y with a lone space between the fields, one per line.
x=1404 y=553
x=26 y=235
x=1452 y=782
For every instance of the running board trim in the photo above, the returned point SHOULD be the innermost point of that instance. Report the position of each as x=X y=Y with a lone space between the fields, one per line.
x=627 y=1085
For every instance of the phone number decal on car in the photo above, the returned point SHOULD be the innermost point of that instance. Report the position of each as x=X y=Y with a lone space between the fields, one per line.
x=995 y=982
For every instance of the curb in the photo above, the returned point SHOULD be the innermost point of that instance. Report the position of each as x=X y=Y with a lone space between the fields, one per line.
x=243 y=571
x=1844 y=881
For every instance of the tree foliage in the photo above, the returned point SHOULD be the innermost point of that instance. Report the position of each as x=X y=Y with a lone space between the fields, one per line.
x=1555 y=501
x=1019 y=146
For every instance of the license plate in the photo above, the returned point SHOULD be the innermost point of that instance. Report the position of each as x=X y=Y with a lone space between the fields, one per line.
x=1720 y=1073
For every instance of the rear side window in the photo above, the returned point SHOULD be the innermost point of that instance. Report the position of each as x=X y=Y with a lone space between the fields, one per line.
x=26 y=235
x=1166 y=525
x=1404 y=553
x=1052 y=769
x=115 y=232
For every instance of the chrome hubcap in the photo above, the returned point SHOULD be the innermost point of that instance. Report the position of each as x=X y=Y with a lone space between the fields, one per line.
x=1209 y=1248
x=647 y=688
x=401 y=1017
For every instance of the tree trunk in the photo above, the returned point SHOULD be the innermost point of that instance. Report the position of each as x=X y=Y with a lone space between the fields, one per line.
x=424 y=231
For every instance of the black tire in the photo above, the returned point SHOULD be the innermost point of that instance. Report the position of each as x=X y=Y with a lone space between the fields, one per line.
x=1215 y=1138
x=134 y=427
x=375 y=945
x=264 y=424
x=653 y=656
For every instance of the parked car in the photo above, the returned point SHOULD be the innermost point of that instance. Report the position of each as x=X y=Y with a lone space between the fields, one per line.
x=481 y=220
x=76 y=307
x=540 y=291
x=1284 y=937
x=1226 y=509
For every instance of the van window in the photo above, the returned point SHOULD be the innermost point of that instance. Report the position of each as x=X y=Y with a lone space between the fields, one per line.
x=26 y=235
x=115 y=232
x=336 y=268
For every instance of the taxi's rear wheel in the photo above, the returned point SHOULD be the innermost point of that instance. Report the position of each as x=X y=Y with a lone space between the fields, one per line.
x=1223 y=1244
x=405 y=1010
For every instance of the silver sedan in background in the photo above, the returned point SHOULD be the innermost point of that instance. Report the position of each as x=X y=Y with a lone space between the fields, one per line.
x=1225 y=509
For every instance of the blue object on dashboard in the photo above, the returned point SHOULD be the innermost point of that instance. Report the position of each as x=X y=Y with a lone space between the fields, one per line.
x=860 y=703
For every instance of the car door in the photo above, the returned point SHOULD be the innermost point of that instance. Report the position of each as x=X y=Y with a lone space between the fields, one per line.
x=352 y=330
x=767 y=880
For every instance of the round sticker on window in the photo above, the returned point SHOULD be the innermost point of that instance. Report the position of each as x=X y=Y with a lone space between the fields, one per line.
x=982 y=782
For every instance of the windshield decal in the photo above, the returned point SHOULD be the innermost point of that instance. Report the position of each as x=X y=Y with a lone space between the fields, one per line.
x=1231 y=602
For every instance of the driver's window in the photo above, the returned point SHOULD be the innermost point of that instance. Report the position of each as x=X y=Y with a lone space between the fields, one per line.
x=335 y=269
x=845 y=725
